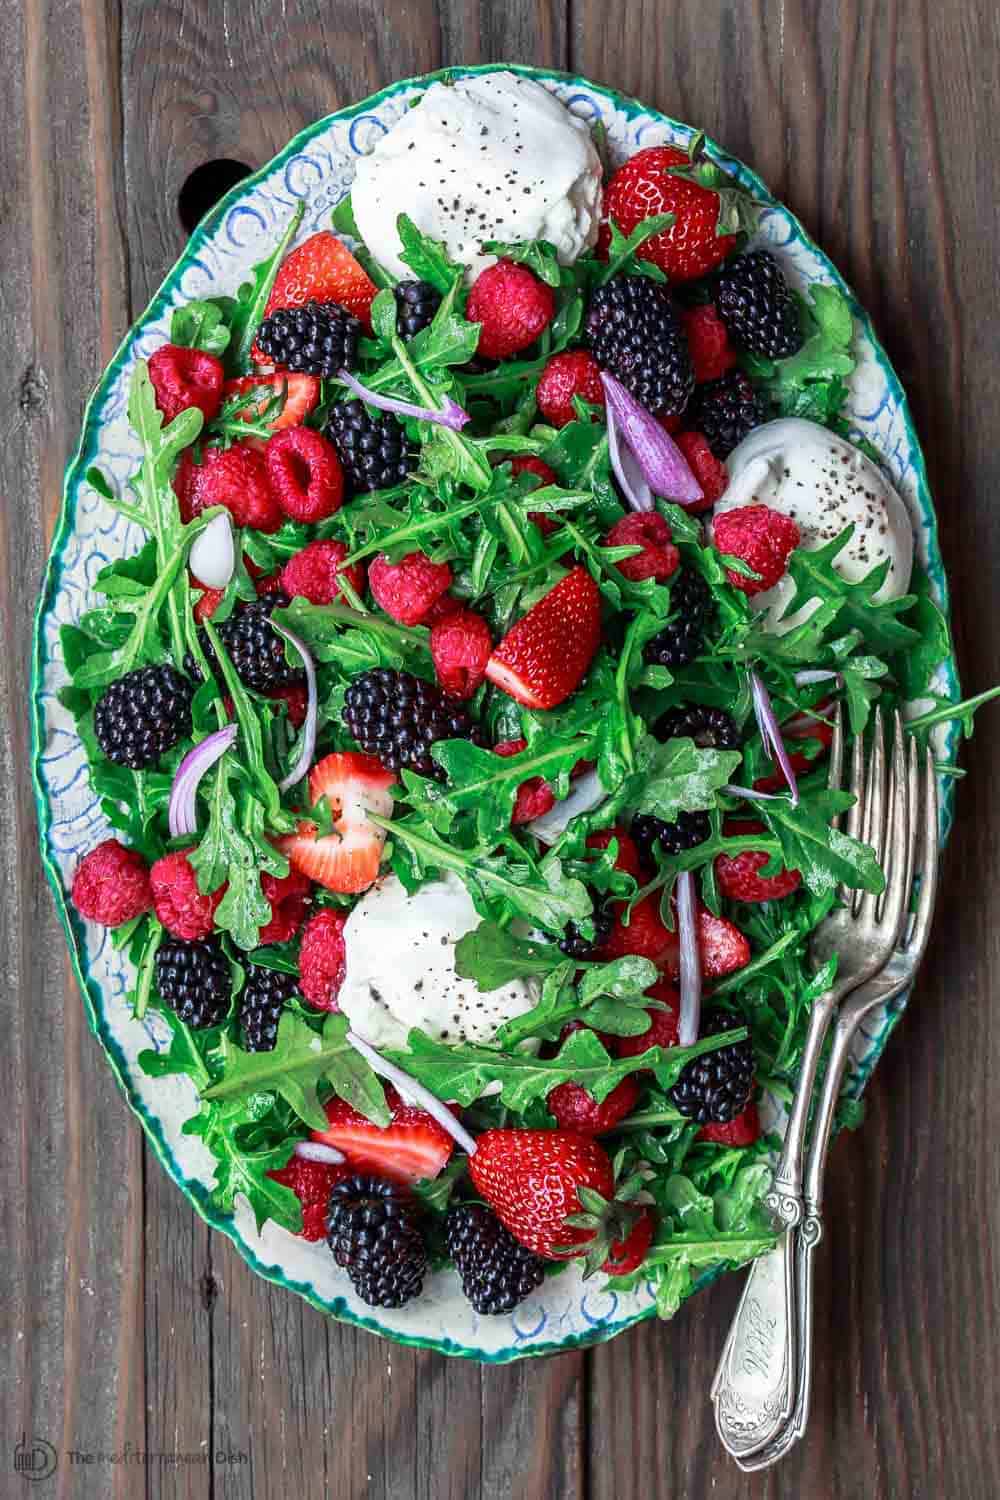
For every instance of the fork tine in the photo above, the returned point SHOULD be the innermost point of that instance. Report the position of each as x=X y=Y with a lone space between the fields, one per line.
x=929 y=862
x=889 y=908
x=856 y=812
x=874 y=821
x=836 y=768
x=913 y=803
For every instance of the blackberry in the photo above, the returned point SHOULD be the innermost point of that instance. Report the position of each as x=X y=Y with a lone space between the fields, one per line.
x=374 y=452
x=262 y=999
x=398 y=717
x=194 y=979
x=687 y=831
x=497 y=1272
x=575 y=945
x=416 y=304
x=756 y=306
x=635 y=334
x=317 y=339
x=143 y=714
x=716 y=1087
x=254 y=647
x=373 y=1229
x=725 y=411
x=681 y=638
x=710 y=728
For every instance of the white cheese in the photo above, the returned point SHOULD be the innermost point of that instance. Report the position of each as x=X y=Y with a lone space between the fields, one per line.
x=491 y=157
x=824 y=484
x=400 y=968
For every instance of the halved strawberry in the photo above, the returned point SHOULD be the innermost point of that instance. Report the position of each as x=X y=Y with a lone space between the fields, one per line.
x=301 y=396
x=347 y=859
x=414 y=1145
x=322 y=269
x=545 y=655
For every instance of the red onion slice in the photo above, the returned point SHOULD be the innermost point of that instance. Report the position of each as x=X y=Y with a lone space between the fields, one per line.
x=413 y=1090
x=816 y=674
x=450 y=415
x=308 y=749
x=750 y=794
x=634 y=488
x=663 y=465
x=770 y=733
x=690 y=957
x=182 y=817
x=316 y=1151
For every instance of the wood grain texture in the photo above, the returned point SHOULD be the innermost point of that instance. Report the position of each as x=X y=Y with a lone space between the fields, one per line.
x=126 y=1320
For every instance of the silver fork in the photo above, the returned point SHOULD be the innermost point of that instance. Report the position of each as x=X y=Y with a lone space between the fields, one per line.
x=755 y=1386
x=894 y=978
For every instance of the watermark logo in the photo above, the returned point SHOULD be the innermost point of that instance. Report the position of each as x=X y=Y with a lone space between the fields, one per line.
x=36 y=1459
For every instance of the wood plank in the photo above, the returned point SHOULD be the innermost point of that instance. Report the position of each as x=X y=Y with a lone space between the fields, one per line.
x=70 y=1193
x=859 y=116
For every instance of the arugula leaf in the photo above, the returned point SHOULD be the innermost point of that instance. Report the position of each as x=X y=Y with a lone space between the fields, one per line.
x=425 y=257
x=302 y=1058
x=824 y=855
x=486 y=784
x=235 y=849
x=610 y=996
x=538 y=255
x=247 y=310
x=861 y=676
x=815 y=577
x=244 y=1172
x=343 y=219
x=812 y=380
x=182 y=1056
x=682 y=777
x=337 y=634
x=494 y=956
x=200 y=325
x=919 y=662
x=622 y=249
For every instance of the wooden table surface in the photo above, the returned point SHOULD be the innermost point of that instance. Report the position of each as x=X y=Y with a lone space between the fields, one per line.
x=125 y=1321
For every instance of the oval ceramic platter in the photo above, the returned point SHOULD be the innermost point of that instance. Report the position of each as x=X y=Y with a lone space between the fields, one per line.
x=317 y=167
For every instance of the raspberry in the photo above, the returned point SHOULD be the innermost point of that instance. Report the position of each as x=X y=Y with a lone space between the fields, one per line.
x=627 y=858
x=287 y=895
x=460 y=646
x=573 y=373
x=662 y=1030
x=184 y=911
x=659 y=557
x=311 y=1182
x=574 y=1109
x=512 y=305
x=442 y=609
x=760 y=537
x=739 y=876
x=406 y=590
x=322 y=958
x=297 y=699
x=710 y=472
x=742 y=1131
x=708 y=342
x=111 y=885
x=207 y=603
x=314 y=573
x=534 y=796
x=305 y=474
x=235 y=477
x=529 y=464
x=672 y=422
x=183 y=378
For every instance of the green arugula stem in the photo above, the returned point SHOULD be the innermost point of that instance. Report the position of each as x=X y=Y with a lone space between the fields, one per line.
x=949 y=711
x=470 y=453
x=647 y=1118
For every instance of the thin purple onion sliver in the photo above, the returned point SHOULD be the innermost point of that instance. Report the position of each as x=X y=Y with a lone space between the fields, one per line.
x=663 y=465
x=633 y=486
x=182 y=817
x=770 y=733
x=816 y=674
x=317 y=1151
x=750 y=794
x=450 y=415
x=413 y=1090
x=308 y=749
x=690 y=960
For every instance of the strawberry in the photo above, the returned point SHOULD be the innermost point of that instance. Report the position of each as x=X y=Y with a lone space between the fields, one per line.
x=295 y=696
x=659 y=557
x=531 y=1180
x=710 y=472
x=723 y=947
x=627 y=858
x=302 y=394
x=413 y=1146
x=572 y=373
x=527 y=463
x=628 y=1254
x=574 y=1109
x=182 y=378
x=738 y=875
x=645 y=934
x=347 y=859
x=534 y=796
x=311 y=1182
x=305 y=474
x=315 y=573
x=235 y=477
x=460 y=648
x=662 y=1031
x=207 y=602
x=742 y=1131
x=645 y=186
x=545 y=655
x=762 y=538
x=408 y=589
x=512 y=306
x=711 y=352
x=287 y=895
x=321 y=269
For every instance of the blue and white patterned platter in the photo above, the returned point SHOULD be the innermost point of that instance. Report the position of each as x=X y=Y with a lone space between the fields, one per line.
x=318 y=167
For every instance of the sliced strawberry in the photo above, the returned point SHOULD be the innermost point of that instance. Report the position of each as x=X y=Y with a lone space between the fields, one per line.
x=301 y=396
x=413 y=1146
x=742 y=1131
x=347 y=859
x=738 y=875
x=628 y=1254
x=545 y=655
x=322 y=269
